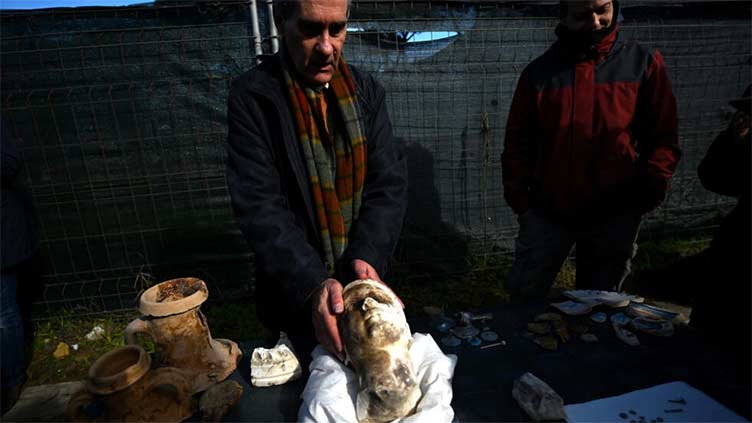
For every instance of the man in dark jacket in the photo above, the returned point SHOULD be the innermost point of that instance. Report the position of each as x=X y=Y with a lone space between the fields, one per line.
x=591 y=143
x=725 y=266
x=317 y=181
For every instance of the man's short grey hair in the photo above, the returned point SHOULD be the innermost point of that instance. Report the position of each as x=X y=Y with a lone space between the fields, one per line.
x=285 y=9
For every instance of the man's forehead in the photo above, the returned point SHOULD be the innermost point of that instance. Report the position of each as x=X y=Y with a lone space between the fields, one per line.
x=323 y=10
x=588 y=4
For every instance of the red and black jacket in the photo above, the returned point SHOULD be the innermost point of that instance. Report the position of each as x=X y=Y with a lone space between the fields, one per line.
x=591 y=135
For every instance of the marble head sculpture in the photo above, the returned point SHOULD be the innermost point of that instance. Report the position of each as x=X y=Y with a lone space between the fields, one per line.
x=377 y=341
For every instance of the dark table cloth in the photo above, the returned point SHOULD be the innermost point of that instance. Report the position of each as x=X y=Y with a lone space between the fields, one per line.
x=578 y=371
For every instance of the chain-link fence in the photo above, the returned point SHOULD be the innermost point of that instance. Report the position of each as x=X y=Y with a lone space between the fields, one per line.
x=120 y=117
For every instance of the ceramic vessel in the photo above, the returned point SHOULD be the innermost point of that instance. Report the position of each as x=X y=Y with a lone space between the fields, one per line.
x=122 y=387
x=173 y=318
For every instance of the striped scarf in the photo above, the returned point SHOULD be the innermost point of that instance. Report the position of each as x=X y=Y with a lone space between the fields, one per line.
x=336 y=192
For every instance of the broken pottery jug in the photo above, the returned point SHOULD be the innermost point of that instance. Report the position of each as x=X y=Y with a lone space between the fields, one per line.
x=172 y=317
x=377 y=342
x=121 y=387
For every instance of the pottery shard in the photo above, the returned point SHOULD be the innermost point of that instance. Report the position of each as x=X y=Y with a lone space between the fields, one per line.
x=218 y=399
x=539 y=328
x=62 y=350
x=275 y=366
x=589 y=338
x=563 y=334
x=539 y=401
x=547 y=342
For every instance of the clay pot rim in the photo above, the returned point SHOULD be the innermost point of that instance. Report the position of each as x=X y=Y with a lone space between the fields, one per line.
x=104 y=385
x=148 y=305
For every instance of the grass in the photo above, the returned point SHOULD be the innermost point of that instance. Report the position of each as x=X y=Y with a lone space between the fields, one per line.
x=71 y=329
x=479 y=286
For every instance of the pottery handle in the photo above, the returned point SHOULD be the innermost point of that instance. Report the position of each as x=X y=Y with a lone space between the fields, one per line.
x=75 y=411
x=135 y=327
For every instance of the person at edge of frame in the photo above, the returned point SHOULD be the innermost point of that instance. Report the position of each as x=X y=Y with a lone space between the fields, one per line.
x=317 y=180
x=591 y=143
x=19 y=276
x=721 y=276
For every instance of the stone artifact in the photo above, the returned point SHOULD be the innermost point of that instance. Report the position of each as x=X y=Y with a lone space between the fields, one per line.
x=539 y=401
x=274 y=366
x=539 y=328
x=377 y=342
x=650 y=312
x=547 y=342
x=609 y=298
x=573 y=308
x=653 y=327
x=218 y=399
x=599 y=317
x=589 y=338
x=625 y=335
x=465 y=328
x=451 y=341
x=620 y=319
x=172 y=317
x=121 y=387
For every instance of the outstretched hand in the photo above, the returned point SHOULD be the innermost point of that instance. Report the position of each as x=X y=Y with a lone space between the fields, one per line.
x=327 y=304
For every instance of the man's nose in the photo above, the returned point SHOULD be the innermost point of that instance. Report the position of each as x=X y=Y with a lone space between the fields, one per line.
x=596 y=24
x=324 y=45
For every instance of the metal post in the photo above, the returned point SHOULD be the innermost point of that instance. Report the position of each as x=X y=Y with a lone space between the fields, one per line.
x=256 y=31
x=272 y=26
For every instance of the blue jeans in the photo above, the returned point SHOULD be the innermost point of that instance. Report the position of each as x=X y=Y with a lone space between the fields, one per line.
x=11 y=326
x=604 y=253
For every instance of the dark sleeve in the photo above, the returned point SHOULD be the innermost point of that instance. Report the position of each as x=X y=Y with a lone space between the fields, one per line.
x=724 y=169
x=517 y=160
x=374 y=234
x=269 y=227
x=657 y=135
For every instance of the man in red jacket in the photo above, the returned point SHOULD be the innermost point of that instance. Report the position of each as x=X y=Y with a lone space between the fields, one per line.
x=591 y=143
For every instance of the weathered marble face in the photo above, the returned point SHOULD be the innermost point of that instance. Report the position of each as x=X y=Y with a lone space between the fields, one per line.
x=377 y=341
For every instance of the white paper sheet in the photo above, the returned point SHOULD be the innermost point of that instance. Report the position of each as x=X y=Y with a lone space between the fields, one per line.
x=651 y=404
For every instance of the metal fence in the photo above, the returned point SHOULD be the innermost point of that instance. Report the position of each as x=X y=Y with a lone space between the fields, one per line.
x=119 y=114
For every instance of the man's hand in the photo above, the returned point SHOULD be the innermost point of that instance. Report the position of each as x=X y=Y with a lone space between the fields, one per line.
x=326 y=305
x=363 y=270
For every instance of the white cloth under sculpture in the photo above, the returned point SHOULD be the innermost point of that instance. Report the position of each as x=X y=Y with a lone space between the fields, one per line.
x=332 y=388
